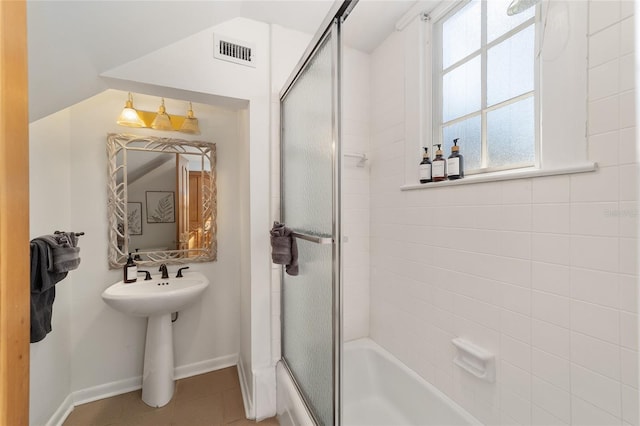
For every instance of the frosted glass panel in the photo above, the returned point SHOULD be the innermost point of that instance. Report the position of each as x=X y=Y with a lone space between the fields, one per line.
x=461 y=34
x=308 y=149
x=498 y=22
x=470 y=143
x=461 y=90
x=307 y=182
x=307 y=309
x=511 y=134
x=510 y=67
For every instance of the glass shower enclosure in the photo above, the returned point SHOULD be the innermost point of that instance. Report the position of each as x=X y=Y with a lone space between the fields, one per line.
x=310 y=161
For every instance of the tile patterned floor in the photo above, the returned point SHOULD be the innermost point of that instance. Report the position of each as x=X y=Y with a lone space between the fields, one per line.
x=209 y=399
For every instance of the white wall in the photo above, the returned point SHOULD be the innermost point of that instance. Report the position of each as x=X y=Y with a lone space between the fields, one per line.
x=542 y=272
x=244 y=361
x=241 y=313
x=356 y=123
x=103 y=336
x=49 y=199
x=93 y=346
x=192 y=68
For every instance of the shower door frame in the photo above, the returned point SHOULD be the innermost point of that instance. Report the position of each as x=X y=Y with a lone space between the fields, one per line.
x=330 y=27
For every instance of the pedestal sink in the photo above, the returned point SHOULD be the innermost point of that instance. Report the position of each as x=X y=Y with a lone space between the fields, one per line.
x=157 y=299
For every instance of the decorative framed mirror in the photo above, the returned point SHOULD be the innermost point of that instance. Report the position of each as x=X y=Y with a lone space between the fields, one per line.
x=162 y=200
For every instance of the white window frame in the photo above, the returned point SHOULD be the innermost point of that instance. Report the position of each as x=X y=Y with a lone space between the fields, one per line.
x=561 y=102
x=438 y=73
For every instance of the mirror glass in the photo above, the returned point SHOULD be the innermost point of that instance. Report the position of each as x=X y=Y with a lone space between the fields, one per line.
x=162 y=200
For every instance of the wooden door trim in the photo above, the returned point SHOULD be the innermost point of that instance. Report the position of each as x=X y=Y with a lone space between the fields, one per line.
x=14 y=217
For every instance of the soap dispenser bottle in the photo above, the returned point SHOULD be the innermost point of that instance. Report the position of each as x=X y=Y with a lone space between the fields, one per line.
x=425 y=167
x=455 y=165
x=130 y=270
x=438 y=167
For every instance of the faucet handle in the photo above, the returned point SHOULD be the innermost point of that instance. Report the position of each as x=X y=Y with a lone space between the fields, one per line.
x=147 y=277
x=163 y=269
x=179 y=275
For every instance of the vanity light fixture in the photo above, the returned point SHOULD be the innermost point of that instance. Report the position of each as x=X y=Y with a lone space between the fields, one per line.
x=518 y=6
x=162 y=120
x=129 y=116
x=159 y=120
x=190 y=124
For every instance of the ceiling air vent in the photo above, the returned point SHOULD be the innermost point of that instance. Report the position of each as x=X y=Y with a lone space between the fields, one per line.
x=238 y=52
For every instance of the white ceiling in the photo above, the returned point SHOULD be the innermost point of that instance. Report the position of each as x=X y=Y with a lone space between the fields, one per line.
x=71 y=42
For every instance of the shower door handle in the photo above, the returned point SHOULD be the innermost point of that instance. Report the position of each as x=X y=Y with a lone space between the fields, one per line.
x=313 y=238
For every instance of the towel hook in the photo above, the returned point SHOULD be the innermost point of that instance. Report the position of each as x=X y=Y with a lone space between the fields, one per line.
x=62 y=232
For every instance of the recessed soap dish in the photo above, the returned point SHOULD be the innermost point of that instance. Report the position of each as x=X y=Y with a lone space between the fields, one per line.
x=475 y=360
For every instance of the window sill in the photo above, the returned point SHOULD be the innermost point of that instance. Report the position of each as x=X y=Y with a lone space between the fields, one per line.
x=504 y=175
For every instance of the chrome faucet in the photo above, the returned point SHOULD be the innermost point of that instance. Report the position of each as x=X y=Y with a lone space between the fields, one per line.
x=163 y=269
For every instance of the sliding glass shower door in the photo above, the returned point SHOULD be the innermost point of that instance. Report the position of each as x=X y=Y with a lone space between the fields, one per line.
x=310 y=201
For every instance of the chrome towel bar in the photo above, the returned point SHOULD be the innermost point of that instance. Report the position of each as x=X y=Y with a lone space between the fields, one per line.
x=313 y=238
x=362 y=157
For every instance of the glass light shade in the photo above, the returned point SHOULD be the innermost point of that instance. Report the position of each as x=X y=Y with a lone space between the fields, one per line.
x=190 y=124
x=129 y=116
x=162 y=120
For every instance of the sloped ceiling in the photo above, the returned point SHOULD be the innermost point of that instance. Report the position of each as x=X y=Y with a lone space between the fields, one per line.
x=72 y=42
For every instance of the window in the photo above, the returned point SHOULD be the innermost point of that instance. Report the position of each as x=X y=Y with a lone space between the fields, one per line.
x=558 y=142
x=484 y=80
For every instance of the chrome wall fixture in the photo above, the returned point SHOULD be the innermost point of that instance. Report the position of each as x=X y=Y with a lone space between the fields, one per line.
x=160 y=120
x=519 y=6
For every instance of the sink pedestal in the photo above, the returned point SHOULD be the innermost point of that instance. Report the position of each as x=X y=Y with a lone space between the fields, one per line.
x=156 y=299
x=157 y=375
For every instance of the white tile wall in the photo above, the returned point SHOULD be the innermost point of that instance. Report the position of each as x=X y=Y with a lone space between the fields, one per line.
x=355 y=194
x=543 y=272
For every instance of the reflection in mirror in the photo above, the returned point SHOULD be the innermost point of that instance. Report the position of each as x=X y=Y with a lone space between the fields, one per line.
x=162 y=200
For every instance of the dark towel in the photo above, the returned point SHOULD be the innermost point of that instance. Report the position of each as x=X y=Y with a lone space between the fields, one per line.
x=52 y=257
x=43 y=291
x=284 y=250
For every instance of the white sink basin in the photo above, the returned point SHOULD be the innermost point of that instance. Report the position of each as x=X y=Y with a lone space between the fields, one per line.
x=157 y=299
x=157 y=296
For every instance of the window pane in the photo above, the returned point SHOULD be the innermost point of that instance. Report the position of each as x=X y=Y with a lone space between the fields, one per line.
x=498 y=22
x=470 y=141
x=510 y=67
x=461 y=34
x=511 y=134
x=461 y=90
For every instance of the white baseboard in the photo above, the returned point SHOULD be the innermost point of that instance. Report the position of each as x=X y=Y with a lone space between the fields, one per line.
x=264 y=391
x=205 y=366
x=62 y=412
x=247 y=395
x=106 y=390
x=260 y=398
x=118 y=387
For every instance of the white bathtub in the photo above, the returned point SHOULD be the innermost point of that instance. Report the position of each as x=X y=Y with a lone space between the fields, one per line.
x=380 y=390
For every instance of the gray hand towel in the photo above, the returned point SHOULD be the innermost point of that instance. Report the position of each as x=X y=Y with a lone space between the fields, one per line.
x=43 y=291
x=284 y=250
x=64 y=255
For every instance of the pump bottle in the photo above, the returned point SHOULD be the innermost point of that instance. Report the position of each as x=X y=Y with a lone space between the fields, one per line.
x=438 y=167
x=130 y=271
x=455 y=165
x=425 y=167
